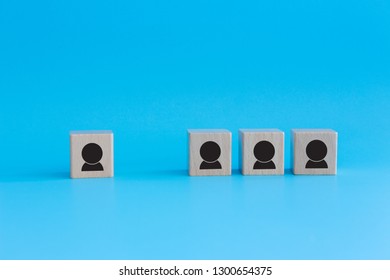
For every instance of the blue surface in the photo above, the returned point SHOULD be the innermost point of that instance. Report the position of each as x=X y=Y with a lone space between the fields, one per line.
x=149 y=70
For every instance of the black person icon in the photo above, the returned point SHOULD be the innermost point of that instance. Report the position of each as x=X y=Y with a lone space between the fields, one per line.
x=210 y=153
x=264 y=152
x=92 y=153
x=316 y=151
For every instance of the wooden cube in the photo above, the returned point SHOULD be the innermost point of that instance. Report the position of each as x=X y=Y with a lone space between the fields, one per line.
x=91 y=154
x=210 y=152
x=315 y=151
x=262 y=151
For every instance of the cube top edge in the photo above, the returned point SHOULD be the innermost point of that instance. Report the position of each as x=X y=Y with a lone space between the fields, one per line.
x=191 y=131
x=314 y=130
x=82 y=132
x=255 y=130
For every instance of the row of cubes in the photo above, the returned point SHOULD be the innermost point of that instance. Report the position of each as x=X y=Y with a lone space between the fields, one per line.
x=262 y=152
x=210 y=152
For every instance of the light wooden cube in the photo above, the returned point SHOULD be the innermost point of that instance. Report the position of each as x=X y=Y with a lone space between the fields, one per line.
x=262 y=151
x=315 y=151
x=210 y=152
x=91 y=154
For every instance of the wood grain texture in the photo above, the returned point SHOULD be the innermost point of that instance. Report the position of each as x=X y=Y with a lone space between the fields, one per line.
x=300 y=140
x=248 y=140
x=78 y=140
x=197 y=138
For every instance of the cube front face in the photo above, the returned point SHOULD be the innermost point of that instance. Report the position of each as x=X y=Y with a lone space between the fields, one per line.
x=262 y=152
x=92 y=154
x=315 y=152
x=210 y=152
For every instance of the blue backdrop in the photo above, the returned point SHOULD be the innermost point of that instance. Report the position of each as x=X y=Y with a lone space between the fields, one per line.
x=149 y=70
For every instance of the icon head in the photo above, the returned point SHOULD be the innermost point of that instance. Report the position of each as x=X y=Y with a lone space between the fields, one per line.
x=92 y=153
x=210 y=151
x=264 y=151
x=316 y=150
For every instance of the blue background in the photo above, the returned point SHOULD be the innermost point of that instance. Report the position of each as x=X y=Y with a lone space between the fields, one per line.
x=149 y=70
